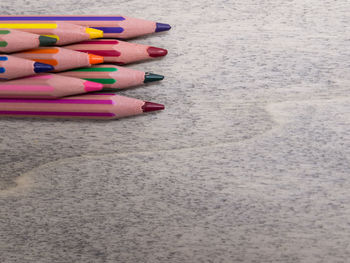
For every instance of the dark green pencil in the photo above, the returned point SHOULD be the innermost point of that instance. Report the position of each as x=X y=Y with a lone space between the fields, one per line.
x=114 y=77
x=14 y=40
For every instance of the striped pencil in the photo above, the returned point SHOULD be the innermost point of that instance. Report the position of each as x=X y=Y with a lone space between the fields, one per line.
x=64 y=32
x=46 y=86
x=89 y=106
x=112 y=26
x=115 y=51
x=61 y=58
x=12 y=67
x=113 y=77
x=14 y=40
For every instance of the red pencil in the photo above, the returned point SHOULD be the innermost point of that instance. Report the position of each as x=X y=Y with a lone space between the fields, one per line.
x=120 y=52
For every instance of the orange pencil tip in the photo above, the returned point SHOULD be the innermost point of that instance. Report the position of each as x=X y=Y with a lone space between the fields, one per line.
x=94 y=59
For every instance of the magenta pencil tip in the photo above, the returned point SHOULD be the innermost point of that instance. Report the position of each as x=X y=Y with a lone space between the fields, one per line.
x=92 y=86
x=151 y=106
x=156 y=52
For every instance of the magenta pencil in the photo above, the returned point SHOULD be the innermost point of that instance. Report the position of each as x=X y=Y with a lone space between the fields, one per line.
x=64 y=32
x=12 y=67
x=116 y=26
x=46 y=86
x=15 y=40
x=94 y=106
x=115 y=51
x=113 y=77
x=60 y=58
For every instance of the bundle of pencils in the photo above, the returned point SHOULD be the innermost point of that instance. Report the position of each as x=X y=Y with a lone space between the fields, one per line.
x=48 y=66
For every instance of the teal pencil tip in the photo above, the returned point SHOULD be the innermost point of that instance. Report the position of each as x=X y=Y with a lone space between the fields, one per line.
x=150 y=77
x=47 y=41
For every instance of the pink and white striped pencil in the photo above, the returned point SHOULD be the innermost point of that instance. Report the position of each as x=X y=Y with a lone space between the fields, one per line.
x=46 y=86
x=89 y=106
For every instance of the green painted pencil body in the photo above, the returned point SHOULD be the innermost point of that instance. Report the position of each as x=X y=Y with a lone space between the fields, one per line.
x=14 y=41
x=114 y=77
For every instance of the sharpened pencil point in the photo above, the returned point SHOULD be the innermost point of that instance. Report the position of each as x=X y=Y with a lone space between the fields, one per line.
x=94 y=59
x=41 y=67
x=160 y=27
x=151 y=106
x=150 y=77
x=47 y=41
x=92 y=86
x=156 y=52
x=94 y=33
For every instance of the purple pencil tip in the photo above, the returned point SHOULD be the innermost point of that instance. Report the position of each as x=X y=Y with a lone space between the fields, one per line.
x=160 y=27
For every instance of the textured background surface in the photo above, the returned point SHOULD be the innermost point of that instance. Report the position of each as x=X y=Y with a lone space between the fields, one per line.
x=249 y=163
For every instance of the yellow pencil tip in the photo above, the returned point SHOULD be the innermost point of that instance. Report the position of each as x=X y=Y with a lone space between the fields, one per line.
x=94 y=33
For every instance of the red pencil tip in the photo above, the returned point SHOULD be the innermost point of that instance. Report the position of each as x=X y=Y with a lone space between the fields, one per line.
x=156 y=52
x=151 y=106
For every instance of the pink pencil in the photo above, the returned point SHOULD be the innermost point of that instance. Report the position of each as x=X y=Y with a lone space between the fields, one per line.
x=12 y=67
x=94 y=106
x=115 y=51
x=113 y=77
x=46 y=86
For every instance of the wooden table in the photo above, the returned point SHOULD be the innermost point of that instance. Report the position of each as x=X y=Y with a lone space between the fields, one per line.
x=249 y=162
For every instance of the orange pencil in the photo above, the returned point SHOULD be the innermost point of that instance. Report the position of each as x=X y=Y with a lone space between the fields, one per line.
x=12 y=67
x=14 y=40
x=116 y=51
x=46 y=86
x=61 y=58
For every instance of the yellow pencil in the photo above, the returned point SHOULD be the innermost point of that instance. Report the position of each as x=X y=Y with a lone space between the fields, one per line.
x=64 y=32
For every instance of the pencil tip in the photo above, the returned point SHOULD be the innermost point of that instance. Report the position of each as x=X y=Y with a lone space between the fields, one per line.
x=94 y=59
x=151 y=106
x=92 y=86
x=156 y=52
x=41 y=67
x=94 y=33
x=150 y=77
x=160 y=27
x=47 y=41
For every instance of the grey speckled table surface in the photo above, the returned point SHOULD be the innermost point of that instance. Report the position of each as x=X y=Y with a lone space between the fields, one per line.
x=249 y=163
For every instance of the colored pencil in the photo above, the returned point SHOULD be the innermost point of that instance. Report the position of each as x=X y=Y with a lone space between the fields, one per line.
x=64 y=32
x=112 y=26
x=14 y=40
x=12 y=67
x=90 y=106
x=61 y=58
x=46 y=86
x=113 y=77
x=120 y=52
